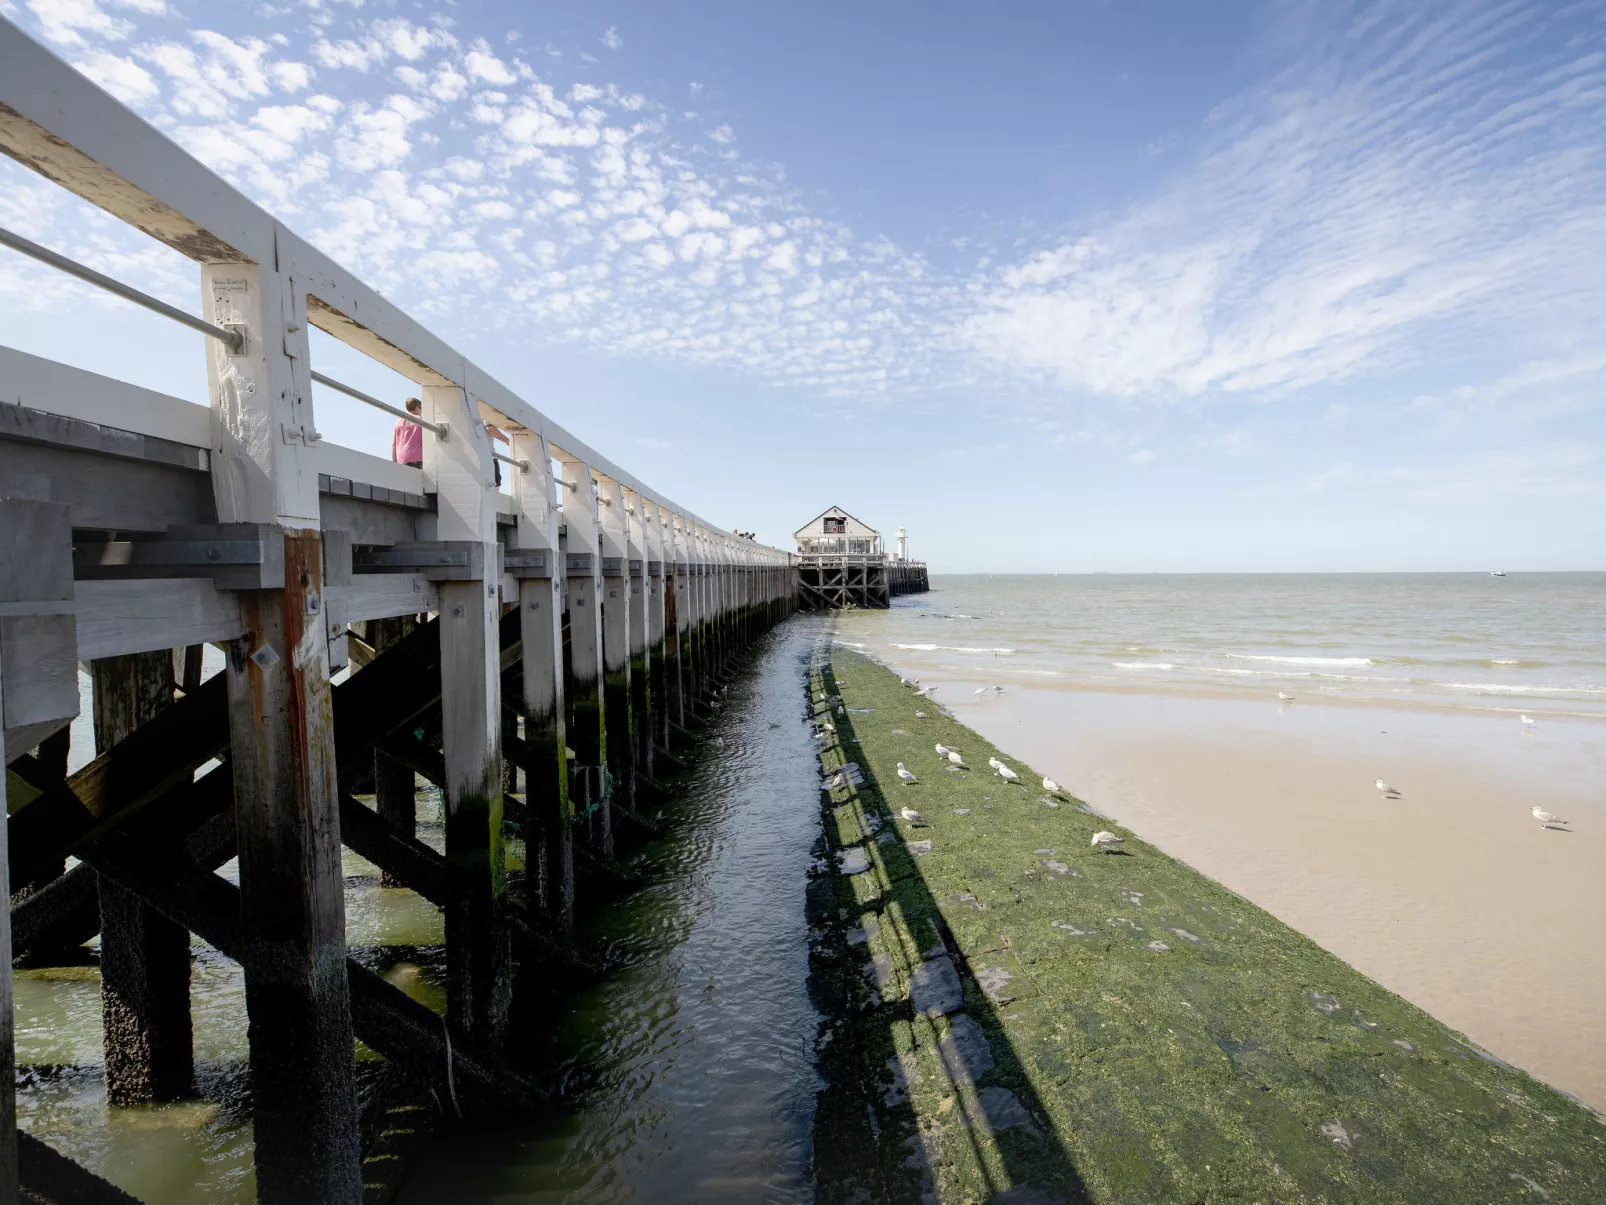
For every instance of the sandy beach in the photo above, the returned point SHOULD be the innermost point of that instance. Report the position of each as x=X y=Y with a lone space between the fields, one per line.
x=1453 y=896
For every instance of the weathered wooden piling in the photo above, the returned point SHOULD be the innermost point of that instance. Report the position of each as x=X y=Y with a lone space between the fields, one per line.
x=549 y=837
x=144 y=957
x=587 y=728
x=639 y=586
x=395 y=783
x=613 y=542
x=598 y=621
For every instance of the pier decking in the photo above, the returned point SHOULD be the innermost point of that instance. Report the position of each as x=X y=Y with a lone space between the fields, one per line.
x=562 y=636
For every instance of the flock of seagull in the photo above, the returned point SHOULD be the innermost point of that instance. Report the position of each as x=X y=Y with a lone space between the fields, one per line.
x=1102 y=840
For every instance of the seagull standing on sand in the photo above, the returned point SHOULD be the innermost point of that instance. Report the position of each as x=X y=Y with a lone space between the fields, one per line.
x=1527 y=721
x=1547 y=818
x=911 y=816
x=1286 y=698
x=1388 y=791
x=1106 y=840
x=1007 y=774
x=903 y=773
x=1051 y=786
x=953 y=756
x=980 y=690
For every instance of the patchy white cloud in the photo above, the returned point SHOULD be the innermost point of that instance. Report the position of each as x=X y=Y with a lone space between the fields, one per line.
x=1414 y=173
x=483 y=66
x=611 y=38
x=122 y=77
x=71 y=22
x=1404 y=183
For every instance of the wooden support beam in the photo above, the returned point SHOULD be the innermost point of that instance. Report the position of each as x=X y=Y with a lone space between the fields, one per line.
x=549 y=838
x=616 y=684
x=154 y=758
x=478 y=955
x=639 y=586
x=394 y=782
x=384 y=1017
x=587 y=728
x=67 y=912
x=144 y=957
x=292 y=909
x=10 y=1189
x=403 y=860
x=52 y=1178
x=657 y=736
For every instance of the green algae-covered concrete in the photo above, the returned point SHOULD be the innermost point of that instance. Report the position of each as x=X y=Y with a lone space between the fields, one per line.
x=1011 y=1015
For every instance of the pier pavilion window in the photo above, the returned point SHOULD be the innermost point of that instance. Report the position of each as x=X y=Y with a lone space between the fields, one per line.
x=835 y=525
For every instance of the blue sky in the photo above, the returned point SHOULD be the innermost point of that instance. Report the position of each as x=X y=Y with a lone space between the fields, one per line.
x=1060 y=286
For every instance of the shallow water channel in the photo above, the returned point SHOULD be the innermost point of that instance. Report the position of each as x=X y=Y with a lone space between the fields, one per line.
x=685 y=1072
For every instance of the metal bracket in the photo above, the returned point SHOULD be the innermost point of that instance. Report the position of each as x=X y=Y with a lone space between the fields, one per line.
x=236 y=556
x=242 y=337
x=437 y=560
x=527 y=563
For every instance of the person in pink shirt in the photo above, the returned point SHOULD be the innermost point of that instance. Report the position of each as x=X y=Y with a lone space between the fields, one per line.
x=407 y=440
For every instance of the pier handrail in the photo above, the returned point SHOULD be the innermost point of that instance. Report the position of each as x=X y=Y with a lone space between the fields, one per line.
x=61 y=125
x=234 y=340
x=439 y=428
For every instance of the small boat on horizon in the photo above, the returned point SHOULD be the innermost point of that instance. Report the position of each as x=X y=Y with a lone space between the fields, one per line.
x=1497 y=573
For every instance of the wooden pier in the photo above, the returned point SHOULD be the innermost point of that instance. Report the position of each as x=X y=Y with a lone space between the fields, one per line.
x=561 y=637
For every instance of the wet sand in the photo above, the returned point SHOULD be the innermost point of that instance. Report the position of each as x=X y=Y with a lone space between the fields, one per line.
x=1452 y=896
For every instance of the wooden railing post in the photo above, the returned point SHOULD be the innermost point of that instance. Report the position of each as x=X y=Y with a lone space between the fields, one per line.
x=282 y=755
x=696 y=615
x=641 y=695
x=478 y=956
x=550 y=843
x=588 y=734
x=674 y=619
x=653 y=605
x=613 y=530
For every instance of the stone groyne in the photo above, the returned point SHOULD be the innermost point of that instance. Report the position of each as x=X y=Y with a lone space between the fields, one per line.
x=1012 y=1014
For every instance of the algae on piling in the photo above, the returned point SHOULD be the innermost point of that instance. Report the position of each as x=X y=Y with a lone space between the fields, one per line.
x=1011 y=1011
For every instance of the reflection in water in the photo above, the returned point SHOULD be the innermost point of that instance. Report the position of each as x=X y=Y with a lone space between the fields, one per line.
x=686 y=1072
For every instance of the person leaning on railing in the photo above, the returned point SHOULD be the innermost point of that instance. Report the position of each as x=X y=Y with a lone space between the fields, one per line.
x=407 y=439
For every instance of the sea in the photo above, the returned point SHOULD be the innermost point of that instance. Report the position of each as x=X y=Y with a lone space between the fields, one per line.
x=1522 y=642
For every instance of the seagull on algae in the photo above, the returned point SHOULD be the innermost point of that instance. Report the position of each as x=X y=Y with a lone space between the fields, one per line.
x=953 y=756
x=903 y=773
x=1105 y=840
x=1052 y=787
x=1007 y=774
x=911 y=816
x=943 y=750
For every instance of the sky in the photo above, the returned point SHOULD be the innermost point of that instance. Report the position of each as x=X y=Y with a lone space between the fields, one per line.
x=1060 y=287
